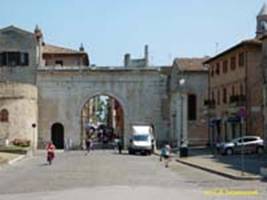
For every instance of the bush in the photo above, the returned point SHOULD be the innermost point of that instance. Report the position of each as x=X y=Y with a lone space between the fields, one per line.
x=21 y=142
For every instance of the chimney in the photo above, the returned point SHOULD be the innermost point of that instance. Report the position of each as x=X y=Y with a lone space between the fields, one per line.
x=81 y=48
x=146 y=55
x=40 y=42
x=38 y=34
x=127 y=59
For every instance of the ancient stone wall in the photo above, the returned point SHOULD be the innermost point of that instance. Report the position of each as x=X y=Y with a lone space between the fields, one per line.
x=15 y=40
x=62 y=94
x=20 y=100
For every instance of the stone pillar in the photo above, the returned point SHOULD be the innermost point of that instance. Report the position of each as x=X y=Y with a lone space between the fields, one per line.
x=264 y=68
x=146 y=55
x=181 y=120
x=127 y=60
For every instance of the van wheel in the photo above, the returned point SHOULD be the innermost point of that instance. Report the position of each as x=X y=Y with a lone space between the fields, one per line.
x=260 y=150
x=229 y=151
x=131 y=152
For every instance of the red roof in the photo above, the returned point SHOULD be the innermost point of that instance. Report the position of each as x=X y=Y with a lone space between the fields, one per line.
x=190 y=64
x=51 y=49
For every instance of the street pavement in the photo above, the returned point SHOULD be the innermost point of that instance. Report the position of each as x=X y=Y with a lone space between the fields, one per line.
x=104 y=174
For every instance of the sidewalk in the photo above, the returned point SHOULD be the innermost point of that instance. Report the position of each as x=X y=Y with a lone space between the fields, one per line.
x=9 y=158
x=227 y=166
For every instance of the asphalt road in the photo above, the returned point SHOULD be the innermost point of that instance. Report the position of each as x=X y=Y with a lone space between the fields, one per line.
x=107 y=175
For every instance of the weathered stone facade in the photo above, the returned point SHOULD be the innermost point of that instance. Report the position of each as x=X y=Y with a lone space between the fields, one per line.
x=235 y=84
x=63 y=93
x=13 y=39
x=20 y=100
x=193 y=131
x=65 y=82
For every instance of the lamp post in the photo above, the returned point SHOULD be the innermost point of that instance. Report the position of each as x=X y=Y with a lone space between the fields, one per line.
x=33 y=138
x=182 y=146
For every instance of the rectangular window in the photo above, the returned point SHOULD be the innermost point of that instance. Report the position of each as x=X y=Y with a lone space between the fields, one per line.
x=14 y=59
x=233 y=90
x=241 y=89
x=192 y=107
x=218 y=68
x=212 y=71
x=224 y=95
x=24 y=59
x=1 y=59
x=241 y=59
x=233 y=63
x=59 y=62
x=212 y=95
x=225 y=66
x=218 y=97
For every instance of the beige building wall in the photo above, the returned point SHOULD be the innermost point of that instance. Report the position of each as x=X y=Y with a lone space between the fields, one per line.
x=68 y=60
x=63 y=93
x=246 y=79
x=13 y=39
x=20 y=100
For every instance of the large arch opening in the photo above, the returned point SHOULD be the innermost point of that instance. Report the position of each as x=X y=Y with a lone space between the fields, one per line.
x=102 y=118
x=57 y=135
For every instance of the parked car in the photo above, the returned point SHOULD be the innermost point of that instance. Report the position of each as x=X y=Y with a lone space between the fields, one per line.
x=250 y=144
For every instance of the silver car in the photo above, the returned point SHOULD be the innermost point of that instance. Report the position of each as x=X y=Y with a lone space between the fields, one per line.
x=247 y=144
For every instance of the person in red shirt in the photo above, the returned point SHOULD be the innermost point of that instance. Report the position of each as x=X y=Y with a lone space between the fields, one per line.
x=50 y=149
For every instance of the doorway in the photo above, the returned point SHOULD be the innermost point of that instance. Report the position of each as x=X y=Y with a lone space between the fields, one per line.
x=57 y=135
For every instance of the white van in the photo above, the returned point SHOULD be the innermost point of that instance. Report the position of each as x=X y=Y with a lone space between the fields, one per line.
x=141 y=140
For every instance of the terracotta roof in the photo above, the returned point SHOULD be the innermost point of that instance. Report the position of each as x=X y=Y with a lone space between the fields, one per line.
x=253 y=42
x=190 y=64
x=51 y=49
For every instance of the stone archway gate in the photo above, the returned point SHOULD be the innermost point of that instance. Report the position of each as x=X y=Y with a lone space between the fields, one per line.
x=62 y=93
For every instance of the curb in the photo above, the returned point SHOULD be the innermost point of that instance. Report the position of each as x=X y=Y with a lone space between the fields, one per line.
x=243 y=178
x=227 y=175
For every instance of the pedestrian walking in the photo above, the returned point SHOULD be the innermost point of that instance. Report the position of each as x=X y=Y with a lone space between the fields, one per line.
x=50 y=149
x=120 y=145
x=165 y=153
x=88 y=143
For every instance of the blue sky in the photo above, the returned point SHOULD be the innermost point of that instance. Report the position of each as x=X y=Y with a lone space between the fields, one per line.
x=111 y=28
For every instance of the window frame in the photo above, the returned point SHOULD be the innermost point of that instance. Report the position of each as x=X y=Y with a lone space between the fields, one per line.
x=225 y=66
x=233 y=63
x=192 y=107
x=241 y=59
x=4 y=115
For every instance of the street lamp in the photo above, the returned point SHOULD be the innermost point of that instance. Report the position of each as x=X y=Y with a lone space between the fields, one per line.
x=182 y=145
x=33 y=138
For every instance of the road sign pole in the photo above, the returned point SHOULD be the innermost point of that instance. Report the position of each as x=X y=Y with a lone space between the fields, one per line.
x=242 y=148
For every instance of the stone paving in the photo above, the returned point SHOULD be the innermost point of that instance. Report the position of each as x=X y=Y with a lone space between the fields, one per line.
x=107 y=174
x=229 y=166
x=5 y=157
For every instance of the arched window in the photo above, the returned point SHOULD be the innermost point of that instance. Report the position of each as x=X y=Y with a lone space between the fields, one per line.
x=4 y=115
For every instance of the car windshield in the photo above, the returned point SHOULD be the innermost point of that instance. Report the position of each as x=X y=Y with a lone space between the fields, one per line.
x=140 y=138
x=237 y=140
